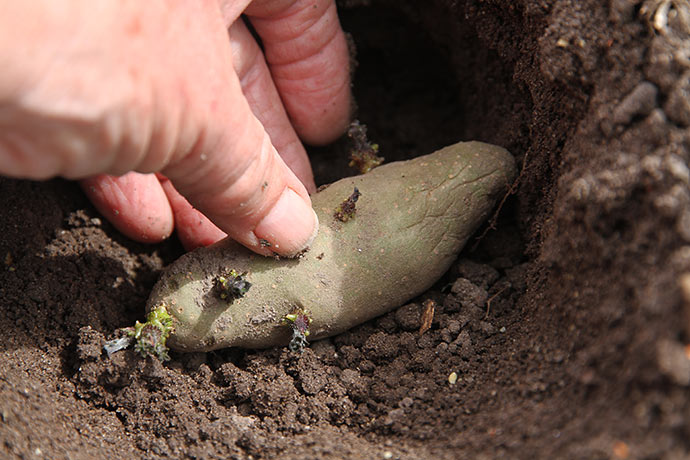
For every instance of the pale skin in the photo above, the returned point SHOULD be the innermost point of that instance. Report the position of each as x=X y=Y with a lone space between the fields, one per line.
x=112 y=91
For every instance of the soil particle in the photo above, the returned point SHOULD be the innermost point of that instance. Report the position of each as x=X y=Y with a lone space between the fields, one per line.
x=639 y=103
x=381 y=346
x=357 y=386
x=468 y=294
x=482 y=275
x=677 y=106
x=463 y=346
x=674 y=361
x=408 y=317
x=310 y=375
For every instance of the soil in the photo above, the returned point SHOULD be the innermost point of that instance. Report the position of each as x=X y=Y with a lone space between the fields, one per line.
x=561 y=333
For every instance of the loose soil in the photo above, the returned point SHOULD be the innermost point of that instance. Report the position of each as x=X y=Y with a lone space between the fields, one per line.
x=560 y=333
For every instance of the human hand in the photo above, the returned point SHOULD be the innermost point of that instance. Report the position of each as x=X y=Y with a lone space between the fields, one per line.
x=117 y=86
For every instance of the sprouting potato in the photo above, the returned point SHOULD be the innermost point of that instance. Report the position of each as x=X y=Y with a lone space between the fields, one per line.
x=409 y=221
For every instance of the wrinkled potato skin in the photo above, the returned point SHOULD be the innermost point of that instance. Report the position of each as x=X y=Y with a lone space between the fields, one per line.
x=412 y=219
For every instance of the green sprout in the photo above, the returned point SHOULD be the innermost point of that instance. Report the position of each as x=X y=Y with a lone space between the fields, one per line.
x=149 y=338
x=152 y=335
x=346 y=210
x=299 y=321
x=231 y=286
x=363 y=155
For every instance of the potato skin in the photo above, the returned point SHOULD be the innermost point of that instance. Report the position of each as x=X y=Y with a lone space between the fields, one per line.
x=411 y=221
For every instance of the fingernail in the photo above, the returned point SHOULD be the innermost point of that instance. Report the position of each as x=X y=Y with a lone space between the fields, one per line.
x=290 y=227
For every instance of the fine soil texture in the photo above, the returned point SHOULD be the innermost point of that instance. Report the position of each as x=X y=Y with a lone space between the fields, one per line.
x=561 y=331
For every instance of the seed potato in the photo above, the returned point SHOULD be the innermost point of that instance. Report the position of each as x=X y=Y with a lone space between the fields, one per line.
x=410 y=221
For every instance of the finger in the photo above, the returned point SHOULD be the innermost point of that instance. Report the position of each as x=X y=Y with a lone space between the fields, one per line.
x=134 y=203
x=248 y=191
x=194 y=229
x=263 y=98
x=225 y=165
x=308 y=58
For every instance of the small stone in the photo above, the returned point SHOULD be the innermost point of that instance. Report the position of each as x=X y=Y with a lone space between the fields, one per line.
x=407 y=317
x=673 y=361
x=683 y=225
x=639 y=102
x=241 y=422
x=406 y=402
x=677 y=167
x=450 y=331
x=469 y=294
x=463 y=345
x=673 y=202
x=349 y=376
x=487 y=328
x=355 y=385
x=681 y=258
x=453 y=326
x=684 y=282
x=393 y=416
x=366 y=366
x=677 y=106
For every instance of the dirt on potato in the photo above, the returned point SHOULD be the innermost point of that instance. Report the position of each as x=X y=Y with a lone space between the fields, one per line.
x=562 y=332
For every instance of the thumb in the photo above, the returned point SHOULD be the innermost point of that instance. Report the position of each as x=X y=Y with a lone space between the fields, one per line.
x=238 y=180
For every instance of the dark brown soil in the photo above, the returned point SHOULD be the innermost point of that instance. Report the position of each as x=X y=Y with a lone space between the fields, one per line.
x=566 y=325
